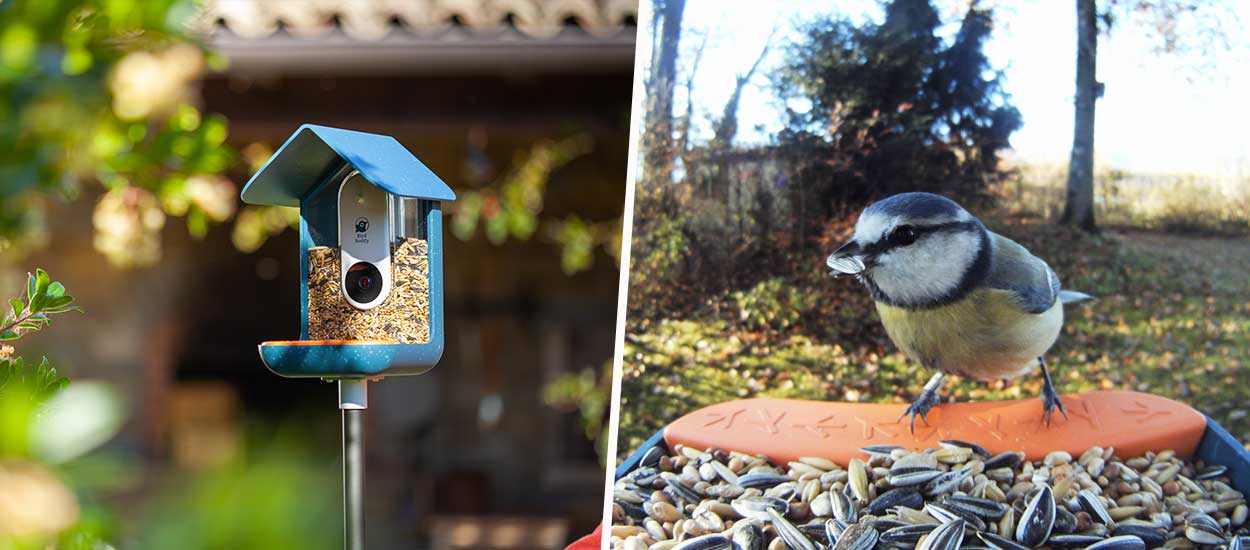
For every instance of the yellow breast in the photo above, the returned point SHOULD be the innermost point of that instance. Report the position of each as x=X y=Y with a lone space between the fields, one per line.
x=983 y=336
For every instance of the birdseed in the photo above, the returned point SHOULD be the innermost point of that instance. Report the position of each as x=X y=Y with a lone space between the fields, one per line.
x=404 y=317
x=937 y=499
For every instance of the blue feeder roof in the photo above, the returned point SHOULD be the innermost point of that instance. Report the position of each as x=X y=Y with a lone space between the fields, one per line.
x=313 y=153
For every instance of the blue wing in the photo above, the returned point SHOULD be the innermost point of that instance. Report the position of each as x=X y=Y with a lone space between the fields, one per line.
x=1035 y=285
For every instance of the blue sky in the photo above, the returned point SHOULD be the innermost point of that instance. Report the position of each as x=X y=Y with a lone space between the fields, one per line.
x=1159 y=113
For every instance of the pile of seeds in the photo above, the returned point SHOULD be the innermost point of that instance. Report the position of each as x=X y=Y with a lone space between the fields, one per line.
x=954 y=497
x=403 y=317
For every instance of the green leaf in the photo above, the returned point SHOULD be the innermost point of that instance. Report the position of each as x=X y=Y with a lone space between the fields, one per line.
x=42 y=281
x=17 y=306
x=56 y=289
x=59 y=302
x=30 y=287
x=8 y=335
x=37 y=303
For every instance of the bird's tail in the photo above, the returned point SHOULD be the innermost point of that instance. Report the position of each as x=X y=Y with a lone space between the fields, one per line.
x=1074 y=297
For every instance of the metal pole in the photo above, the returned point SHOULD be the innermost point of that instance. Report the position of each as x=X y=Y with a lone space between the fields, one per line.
x=353 y=400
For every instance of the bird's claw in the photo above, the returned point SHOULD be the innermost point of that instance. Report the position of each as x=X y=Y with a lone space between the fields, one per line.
x=921 y=407
x=1051 y=401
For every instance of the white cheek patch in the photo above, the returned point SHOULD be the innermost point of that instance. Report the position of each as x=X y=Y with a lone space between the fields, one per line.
x=928 y=270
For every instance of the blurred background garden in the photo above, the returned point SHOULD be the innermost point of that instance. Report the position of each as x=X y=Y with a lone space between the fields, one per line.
x=766 y=131
x=142 y=416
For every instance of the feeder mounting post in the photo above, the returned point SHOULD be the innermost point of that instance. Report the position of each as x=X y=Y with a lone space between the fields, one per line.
x=353 y=400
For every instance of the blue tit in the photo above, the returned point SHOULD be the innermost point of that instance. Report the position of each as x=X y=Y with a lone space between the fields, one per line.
x=954 y=296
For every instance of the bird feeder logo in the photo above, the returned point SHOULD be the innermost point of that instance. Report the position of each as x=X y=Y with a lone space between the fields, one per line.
x=370 y=254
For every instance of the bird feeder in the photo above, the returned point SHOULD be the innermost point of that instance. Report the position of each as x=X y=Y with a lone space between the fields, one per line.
x=371 y=269
x=371 y=272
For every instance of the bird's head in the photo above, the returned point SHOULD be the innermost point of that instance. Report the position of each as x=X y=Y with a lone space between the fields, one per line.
x=915 y=250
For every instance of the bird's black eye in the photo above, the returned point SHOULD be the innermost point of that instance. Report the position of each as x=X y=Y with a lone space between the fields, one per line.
x=903 y=235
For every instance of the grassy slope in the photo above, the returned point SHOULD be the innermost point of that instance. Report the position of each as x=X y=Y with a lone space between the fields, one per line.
x=1171 y=320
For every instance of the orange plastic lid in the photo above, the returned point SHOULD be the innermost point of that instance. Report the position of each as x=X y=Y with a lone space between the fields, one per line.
x=784 y=429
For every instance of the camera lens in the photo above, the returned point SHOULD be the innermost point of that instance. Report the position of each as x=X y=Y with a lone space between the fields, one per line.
x=362 y=282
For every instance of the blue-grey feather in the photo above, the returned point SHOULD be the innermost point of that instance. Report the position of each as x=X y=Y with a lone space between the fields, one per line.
x=915 y=206
x=1032 y=281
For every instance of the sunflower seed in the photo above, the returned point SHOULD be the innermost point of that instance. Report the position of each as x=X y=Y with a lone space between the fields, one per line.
x=979 y=450
x=996 y=542
x=980 y=507
x=1092 y=505
x=843 y=509
x=714 y=541
x=1238 y=543
x=1038 y=518
x=757 y=506
x=1152 y=537
x=907 y=534
x=947 y=536
x=748 y=536
x=651 y=458
x=1072 y=541
x=912 y=476
x=1211 y=472
x=946 y=514
x=905 y=496
x=860 y=536
x=794 y=539
x=1201 y=529
x=762 y=479
x=833 y=530
x=1123 y=542
x=1008 y=459
x=879 y=450
x=1065 y=522
x=944 y=483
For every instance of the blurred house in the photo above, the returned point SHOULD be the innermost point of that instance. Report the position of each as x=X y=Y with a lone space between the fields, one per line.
x=467 y=86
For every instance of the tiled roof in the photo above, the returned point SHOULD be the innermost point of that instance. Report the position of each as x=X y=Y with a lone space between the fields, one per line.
x=373 y=20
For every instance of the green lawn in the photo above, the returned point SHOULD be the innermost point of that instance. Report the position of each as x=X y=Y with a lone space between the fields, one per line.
x=1171 y=320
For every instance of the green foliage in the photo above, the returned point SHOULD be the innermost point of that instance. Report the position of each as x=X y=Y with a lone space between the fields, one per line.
x=281 y=499
x=773 y=305
x=512 y=207
x=99 y=93
x=893 y=106
x=588 y=394
x=43 y=297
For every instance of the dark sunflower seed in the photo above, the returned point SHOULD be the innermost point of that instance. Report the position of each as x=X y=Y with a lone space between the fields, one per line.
x=1065 y=522
x=980 y=507
x=999 y=543
x=1211 y=472
x=843 y=509
x=1072 y=541
x=905 y=496
x=714 y=541
x=914 y=476
x=908 y=534
x=1124 y=542
x=1008 y=459
x=651 y=457
x=789 y=534
x=762 y=480
x=749 y=537
x=1093 y=506
x=1153 y=537
x=1038 y=519
x=879 y=450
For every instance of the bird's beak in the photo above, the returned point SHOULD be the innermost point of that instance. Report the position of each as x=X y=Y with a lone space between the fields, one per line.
x=846 y=260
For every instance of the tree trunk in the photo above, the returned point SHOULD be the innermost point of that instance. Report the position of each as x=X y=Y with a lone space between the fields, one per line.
x=658 y=137
x=1078 y=209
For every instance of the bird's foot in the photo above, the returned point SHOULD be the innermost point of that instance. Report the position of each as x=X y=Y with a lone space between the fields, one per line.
x=1050 y=402
x=921 y=407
